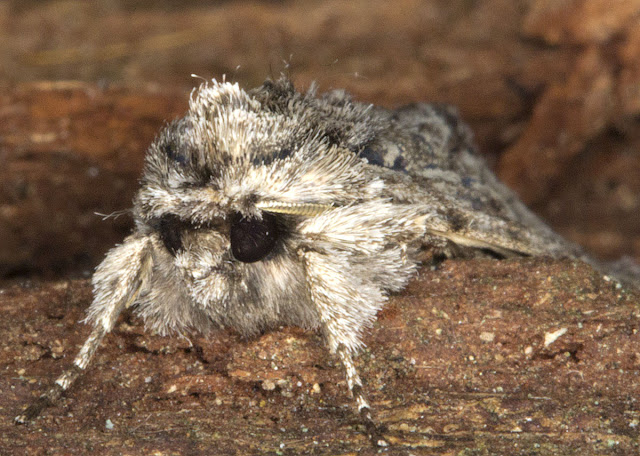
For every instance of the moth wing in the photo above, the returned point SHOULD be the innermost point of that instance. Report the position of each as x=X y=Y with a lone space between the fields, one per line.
x=480 y=230
x=427 y=156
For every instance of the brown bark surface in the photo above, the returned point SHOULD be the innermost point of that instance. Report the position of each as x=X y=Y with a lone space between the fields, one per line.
x=479 y=357
x=71 y=154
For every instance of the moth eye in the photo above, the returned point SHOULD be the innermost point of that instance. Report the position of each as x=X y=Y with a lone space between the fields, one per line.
x=253 y=239
x=170 y=228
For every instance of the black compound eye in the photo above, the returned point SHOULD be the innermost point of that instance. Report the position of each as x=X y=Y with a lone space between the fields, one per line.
x=253 y=239
x=170 y=228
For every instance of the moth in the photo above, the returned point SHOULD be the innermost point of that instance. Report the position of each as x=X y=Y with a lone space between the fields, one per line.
x=271 y=207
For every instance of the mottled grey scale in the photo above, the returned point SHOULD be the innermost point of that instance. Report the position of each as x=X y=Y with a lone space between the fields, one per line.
x=373 y=156
x=439 y=154
x=332 y=116
x=378 y=155
x=171 y=150
x=274 y=96
x=426 y=137
x=467 y=181
x=172 y=142
x=400 y=164
x=267 y=159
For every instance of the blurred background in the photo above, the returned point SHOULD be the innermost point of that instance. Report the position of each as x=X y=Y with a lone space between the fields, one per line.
x=551 y=89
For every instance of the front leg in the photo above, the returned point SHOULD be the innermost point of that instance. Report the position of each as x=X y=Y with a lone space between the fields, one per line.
x=344 y=310
x=355 y=386
x=117 y=283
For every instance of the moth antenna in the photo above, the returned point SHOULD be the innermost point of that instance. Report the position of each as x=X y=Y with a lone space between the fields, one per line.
x=304 y=209
x=129 y=263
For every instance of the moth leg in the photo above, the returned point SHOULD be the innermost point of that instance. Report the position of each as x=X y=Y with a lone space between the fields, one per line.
x=117 y=283
x=67 y=379
x=355 y=386
x=332 y=295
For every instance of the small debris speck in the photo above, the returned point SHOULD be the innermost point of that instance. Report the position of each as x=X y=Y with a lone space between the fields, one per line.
x=552 y=336
x=487 y=336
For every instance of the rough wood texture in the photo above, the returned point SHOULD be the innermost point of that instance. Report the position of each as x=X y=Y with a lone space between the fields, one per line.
x=69 y=150
x=478 y=357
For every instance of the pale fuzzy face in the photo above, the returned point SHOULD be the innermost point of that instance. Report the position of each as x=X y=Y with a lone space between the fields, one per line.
x=212 y=198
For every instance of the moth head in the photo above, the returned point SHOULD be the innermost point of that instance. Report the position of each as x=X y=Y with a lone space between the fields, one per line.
x=225 y=188
x=245 y=157
x=254 y=207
